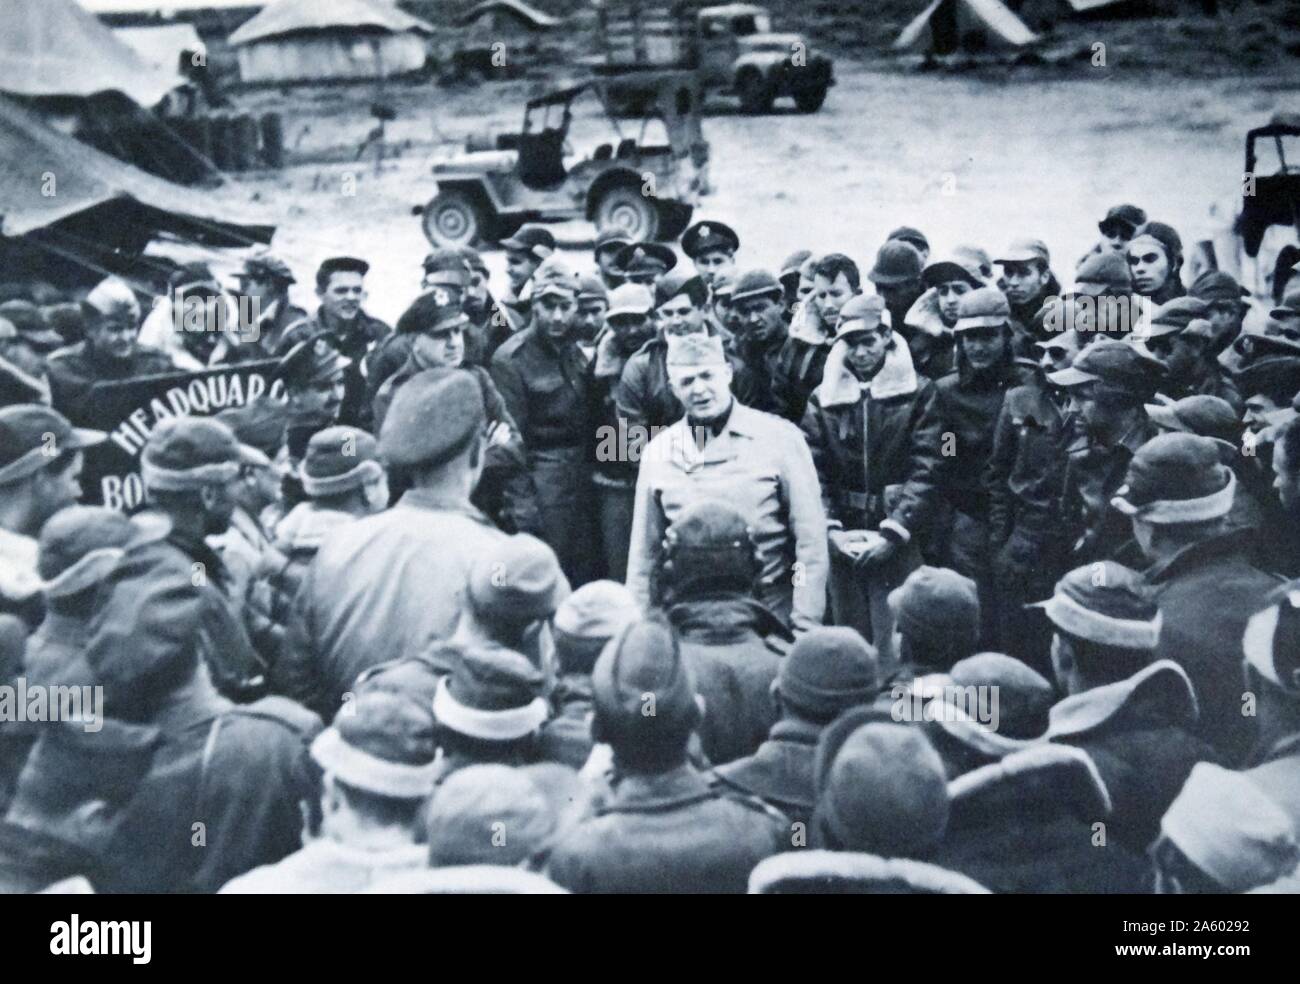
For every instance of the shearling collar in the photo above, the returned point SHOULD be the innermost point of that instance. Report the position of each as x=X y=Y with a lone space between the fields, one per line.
x=18 y=578
x=1163 y=683
x=897 y=377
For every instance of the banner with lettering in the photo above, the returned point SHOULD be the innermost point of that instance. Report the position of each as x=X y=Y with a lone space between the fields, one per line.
x=129 y=409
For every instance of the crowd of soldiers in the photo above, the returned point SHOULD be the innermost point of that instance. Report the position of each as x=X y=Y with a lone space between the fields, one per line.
x=932 y=576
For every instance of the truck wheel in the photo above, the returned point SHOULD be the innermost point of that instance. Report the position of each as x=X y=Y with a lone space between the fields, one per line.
x=810 y=100
x=631 y=212
x=452 y=219
x=756 y=93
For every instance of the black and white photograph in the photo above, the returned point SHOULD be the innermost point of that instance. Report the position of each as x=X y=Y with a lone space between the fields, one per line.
x=455 y=447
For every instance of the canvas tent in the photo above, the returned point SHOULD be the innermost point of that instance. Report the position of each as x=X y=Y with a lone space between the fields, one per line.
x=953 y=23
x=162 y=47
x=497 y=11
x=66 y=205
x=55 y=48
x=319 y=40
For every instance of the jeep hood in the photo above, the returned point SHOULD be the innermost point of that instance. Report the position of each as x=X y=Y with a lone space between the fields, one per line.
x=784 y=43
x=476 y=162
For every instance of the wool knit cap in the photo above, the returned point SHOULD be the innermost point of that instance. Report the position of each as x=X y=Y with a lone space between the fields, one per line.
x=938 y=607
x=897 y=262
x=339 y=459
x=828 y=670
x=382 y=743
x=1105 y=603
x=1177 y=478
x=642 y=688
x=492 y=694
x=518 y=579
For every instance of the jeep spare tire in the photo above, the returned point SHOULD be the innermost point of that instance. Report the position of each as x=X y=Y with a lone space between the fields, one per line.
x=452 y=219
x=632 y=213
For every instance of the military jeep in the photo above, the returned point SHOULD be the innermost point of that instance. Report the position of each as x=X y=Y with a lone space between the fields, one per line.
x=644 y=180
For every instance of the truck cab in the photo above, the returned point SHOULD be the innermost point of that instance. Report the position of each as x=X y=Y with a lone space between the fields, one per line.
x=734 y=47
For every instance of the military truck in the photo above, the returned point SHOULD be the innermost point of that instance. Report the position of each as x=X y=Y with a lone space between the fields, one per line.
x=732 y=49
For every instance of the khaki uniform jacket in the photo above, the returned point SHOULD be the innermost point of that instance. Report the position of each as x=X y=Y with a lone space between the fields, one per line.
x=760 y=464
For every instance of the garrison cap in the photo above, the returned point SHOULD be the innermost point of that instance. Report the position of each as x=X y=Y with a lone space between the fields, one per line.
x=112 y=296
x=695 y=350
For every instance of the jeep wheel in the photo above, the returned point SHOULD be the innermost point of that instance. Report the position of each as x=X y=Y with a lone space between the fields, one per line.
x=810 y=100
x=452 y=219
x=756 y=93
x=674 y=217
x=626 y=209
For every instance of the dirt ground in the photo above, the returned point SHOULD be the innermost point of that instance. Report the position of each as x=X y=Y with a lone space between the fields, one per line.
x=966 y=159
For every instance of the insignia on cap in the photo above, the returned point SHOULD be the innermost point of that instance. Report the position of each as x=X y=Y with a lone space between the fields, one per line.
x=441 y=297
x=638 y=254
x=705 y=232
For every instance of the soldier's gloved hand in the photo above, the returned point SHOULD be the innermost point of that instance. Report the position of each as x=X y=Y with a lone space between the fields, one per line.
x=849 y=543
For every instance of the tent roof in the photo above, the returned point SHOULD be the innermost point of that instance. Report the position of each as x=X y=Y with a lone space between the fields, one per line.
x=992 y=13
x=161 y=46
x=537 y=18
x=54 y=48
x=291 y=16
x=166 y=6
x=32 y=153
